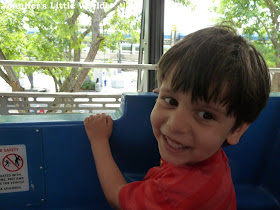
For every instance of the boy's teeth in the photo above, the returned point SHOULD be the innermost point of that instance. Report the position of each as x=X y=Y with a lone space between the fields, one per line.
x=174 y=144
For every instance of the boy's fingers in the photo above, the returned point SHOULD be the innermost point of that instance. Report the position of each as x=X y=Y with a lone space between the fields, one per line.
x=109 y=120
x=90 y=117
x=93 y=118
x=156 y=90
x=86 y=119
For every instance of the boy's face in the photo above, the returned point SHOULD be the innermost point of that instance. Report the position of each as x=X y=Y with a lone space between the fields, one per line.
x=187 y=132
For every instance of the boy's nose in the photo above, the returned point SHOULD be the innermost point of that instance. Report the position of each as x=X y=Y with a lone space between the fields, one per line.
x=179 y=122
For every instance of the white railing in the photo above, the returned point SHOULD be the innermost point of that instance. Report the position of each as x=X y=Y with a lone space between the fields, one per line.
x=272 y=70
x=35 y=103
x=22 y=103
x=77 y=64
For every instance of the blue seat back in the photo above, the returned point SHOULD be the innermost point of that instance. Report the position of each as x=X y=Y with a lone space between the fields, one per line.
x=61 y=170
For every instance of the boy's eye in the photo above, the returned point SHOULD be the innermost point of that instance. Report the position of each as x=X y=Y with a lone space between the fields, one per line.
x=171 y=101
x=206 y=115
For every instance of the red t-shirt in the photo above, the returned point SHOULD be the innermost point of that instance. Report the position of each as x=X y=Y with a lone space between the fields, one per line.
x=206 y=185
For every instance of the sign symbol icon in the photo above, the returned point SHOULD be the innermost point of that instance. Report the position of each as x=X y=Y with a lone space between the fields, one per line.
x=7 y=163
x=14 y=166
x=12 y=162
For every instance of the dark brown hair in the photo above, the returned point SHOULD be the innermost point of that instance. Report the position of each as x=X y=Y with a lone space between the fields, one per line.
x=214 y=61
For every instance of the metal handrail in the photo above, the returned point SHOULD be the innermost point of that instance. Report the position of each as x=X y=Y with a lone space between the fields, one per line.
x=274 y=69
x=76 y=64
x=26 y=103
x=60 y=94
x=86 y=65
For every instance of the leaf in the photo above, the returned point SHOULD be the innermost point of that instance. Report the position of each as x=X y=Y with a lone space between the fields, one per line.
x=255 y=18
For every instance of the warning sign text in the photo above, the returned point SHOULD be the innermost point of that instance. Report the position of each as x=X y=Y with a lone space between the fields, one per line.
x=13 y=169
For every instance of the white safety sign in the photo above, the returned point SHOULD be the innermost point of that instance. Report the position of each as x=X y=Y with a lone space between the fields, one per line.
x=13 y=169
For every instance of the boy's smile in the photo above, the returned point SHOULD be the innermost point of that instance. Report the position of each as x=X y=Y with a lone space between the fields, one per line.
x=190 y=132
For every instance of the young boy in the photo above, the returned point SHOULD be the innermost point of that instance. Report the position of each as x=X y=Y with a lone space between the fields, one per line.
x=212 y=86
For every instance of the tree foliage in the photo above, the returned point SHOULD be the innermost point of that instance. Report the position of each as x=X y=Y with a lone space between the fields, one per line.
x=11 y=29
x=259 y=21
x=62 y=30
x=183 y=2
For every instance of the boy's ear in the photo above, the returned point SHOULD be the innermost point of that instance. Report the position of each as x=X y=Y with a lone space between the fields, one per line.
x=235 y=136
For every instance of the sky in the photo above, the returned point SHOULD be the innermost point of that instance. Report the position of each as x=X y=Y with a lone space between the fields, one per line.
x=186 y=19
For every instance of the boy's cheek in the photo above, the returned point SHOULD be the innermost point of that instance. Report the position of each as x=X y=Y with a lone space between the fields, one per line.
x=154 y=113
x=156 y=117
x=152 y=116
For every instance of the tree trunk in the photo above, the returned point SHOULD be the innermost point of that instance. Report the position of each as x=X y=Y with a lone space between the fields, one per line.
x=13 y=80
x=76 y=78
x=70 y=80
x=30 y=78
x=95 y=43
x=275 y=83
x=57 y=83
x=277 y=54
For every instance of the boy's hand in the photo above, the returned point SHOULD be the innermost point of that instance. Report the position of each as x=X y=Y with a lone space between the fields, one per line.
x=156 y=90
x=98 y=127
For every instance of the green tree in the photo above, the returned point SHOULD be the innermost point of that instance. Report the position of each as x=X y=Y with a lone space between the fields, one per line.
x=11 y=28
x=61 y=36
x=256 y=18
x=62 y=33
x=261 y=19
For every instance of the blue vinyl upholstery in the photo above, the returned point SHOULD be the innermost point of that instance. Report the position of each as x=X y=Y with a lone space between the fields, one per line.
x=62 y=173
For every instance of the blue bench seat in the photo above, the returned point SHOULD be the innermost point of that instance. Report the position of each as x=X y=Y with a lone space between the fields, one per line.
x=61 y=170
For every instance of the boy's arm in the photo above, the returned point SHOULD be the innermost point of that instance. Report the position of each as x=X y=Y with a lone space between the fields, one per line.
x=99 y=129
